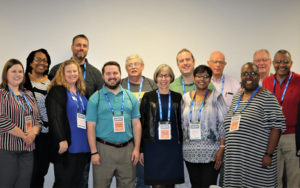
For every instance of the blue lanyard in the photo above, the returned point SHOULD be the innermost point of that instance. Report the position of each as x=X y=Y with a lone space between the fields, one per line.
x=140 y=90
x=27 y=102
x=84 y=70
x=160 y=107
x=183 y=86
x=285 y=88
x=201 y=107
x=78 y=96
x=111 y=107
x=238 y=103
x=223 y=83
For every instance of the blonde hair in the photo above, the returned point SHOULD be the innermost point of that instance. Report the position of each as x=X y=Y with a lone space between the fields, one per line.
x=60 y=80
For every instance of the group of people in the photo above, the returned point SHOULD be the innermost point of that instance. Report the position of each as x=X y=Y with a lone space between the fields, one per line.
x=149 y=132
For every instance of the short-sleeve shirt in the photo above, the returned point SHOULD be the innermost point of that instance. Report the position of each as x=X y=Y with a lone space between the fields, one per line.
x=99 y=111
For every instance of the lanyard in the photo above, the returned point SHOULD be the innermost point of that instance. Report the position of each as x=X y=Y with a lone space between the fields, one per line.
x=111 y=107
x=160 y=107
x=27 y=102
x=78 y=96
x=238 y=103
x=201 y=107
x=140 y=90
x=84 y=70
x=285 y=88
x=223 y=83
x=183 y=86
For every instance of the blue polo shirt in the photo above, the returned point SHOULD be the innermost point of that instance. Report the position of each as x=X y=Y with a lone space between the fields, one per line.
x=99 y=111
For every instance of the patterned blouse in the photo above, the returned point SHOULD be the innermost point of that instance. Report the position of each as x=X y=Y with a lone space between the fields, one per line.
x=212 y=116
x=12 y=114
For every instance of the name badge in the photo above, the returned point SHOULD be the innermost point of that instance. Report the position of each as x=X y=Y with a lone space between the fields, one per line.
x=81 y=121
x=195 y=131
x=235 y=123
x=28 y=123
x=74 y=98
x=119 y=125
x=164 y=130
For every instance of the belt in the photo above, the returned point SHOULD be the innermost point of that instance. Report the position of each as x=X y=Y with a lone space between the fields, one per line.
x=113 y=144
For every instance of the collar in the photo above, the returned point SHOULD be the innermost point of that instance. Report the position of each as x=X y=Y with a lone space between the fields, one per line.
x=190 y=84
x=106 y=91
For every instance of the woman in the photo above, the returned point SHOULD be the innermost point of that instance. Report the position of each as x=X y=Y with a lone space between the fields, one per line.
x=66 y=107
x=162 y=134
x=19 y=124
x=36 y=80
x=253 y=125
x=203 y=112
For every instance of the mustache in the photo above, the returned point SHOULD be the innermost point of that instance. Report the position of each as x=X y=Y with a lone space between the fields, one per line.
x=133 y=70
x=112 y=79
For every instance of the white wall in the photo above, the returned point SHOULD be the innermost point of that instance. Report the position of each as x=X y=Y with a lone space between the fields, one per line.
x=156 y=29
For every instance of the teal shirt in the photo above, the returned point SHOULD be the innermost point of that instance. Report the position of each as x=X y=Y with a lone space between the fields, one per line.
x=177 y=86
x=99 y=111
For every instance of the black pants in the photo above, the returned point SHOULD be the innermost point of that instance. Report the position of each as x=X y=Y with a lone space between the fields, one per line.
x=41 y=160
x=202 y=175
x=69 y=170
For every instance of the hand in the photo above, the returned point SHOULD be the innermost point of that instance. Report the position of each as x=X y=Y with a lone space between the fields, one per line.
x=31 y=136
x=142 y=159
x=135 y=156
x=63 y=146
x=96 y=159
x=218 y=159
x=26 y=138
x=267 y=161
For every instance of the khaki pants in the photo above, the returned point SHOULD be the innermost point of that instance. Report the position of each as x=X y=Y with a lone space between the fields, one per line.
x=287 y=158
x=114 y=162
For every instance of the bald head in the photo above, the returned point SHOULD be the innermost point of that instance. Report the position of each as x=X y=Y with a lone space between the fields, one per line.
x=217 y=63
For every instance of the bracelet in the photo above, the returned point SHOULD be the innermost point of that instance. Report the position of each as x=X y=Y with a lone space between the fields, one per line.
x=222 y=146
x=94 y=153
x=269 y=154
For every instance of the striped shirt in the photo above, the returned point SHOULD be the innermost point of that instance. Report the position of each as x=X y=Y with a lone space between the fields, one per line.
x=245 y=147
x=12 y=114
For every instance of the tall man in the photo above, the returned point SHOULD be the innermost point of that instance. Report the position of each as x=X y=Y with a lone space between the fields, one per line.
x=186 y=64
x=263 y=60
x=114 y=131
x=285 y=86
x=138 y=85
x=225 y=84
x=92 y=76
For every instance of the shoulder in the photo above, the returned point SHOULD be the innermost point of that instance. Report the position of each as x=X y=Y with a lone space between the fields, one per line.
x=95 y=96
x=124 y=82
x=149 y=80
x=92 y=68
x=296 y=76
x=3 y=92
x=57 y=90
x=176 y=95
x=55 y=67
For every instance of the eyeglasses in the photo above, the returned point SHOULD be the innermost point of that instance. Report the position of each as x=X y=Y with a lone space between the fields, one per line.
x=221 y=62
x=285 y=62
x=39 y=60
x=135 y=64
x=252 y=74
x=202 y=76
x=163 y=75
x=262 y=59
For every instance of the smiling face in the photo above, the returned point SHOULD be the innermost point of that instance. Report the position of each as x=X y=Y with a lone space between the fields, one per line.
x=202 y=80
x=15 y=75
x=185 y=63
x=249 y=77
x=134 y=67
x=111 y=76
x=71 y=74
x=263 y=61
x=40 y=63
x=282 y=64
x=217 y=63
x=163 y=80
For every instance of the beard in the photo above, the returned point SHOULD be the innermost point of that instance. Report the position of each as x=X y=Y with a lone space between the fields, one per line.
x=80 y=57
x=112 y=86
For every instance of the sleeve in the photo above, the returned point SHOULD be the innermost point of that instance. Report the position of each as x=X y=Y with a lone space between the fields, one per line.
x=37 y=119
x=179 y=118
x=56 y=114
x=222 y=112
x=92 y=107
x=143 y=118
x=6 y=123
x=273 y=115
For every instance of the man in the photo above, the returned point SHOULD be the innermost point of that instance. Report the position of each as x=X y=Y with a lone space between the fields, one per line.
x=263 y=60
x=285 y=86
x=138 y=85
x=225 y=84
x=114 y=131
x=186 y=64
x=92 y=76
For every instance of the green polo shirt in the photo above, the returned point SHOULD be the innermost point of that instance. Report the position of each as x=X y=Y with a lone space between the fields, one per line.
x=177 y=86
x=99 y=111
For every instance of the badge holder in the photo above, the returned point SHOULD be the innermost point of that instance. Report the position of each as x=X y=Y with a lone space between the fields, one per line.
x=195 y=131
x=235 y=123
x=119 y=125
x=164 y=130
x=81 y=121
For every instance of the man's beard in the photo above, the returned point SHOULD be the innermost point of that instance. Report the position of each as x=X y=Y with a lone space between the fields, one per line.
x=112 y=86
x=80 y=57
